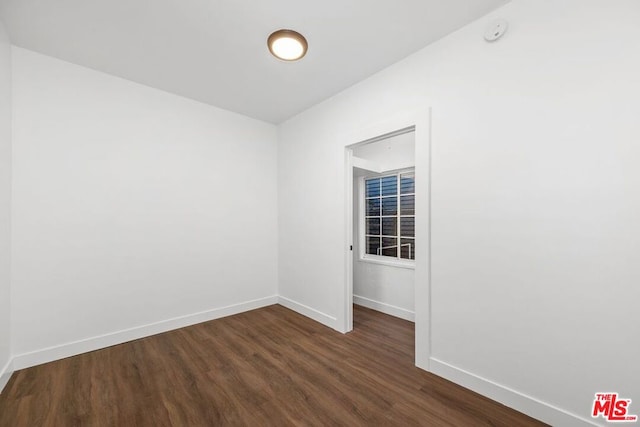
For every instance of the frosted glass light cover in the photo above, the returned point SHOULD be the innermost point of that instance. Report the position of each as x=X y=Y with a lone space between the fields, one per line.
x=287 y=45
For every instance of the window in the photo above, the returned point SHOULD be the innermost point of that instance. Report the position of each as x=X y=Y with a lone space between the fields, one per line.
x=389 y=216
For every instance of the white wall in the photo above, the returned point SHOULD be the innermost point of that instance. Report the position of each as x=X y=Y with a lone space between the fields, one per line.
x=386 y=288
x=132 y=206
x=534 y=200
x=5 y=204
x=395 y=152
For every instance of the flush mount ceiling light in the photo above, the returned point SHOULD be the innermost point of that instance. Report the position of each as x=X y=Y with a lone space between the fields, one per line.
x=287 y=45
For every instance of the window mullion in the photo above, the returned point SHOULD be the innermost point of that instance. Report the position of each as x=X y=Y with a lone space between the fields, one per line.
x=380 y=213
x=398 y=216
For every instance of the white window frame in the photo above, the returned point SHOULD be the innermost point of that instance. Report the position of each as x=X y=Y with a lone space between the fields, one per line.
x=379 y=259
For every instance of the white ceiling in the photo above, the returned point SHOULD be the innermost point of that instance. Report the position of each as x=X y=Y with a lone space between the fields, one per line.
x=215 y=51
x=398 y=146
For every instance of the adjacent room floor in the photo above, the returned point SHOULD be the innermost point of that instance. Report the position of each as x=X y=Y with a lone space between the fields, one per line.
x=264 y=367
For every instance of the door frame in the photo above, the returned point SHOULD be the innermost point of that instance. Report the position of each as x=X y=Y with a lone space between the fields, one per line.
x=420 y=120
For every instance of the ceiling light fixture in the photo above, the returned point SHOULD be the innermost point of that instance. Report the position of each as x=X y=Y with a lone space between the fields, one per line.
x=287 y=45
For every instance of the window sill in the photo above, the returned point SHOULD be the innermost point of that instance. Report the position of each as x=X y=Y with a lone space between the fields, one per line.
x=410 y=264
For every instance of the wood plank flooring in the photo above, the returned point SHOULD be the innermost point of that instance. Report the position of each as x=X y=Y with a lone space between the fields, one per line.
x=267 y=367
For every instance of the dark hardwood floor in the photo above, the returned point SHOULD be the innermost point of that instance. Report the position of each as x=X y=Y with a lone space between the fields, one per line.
x=265 y=367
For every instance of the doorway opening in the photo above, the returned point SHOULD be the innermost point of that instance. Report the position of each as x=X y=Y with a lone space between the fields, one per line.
x=383 y=206
x=376 y=239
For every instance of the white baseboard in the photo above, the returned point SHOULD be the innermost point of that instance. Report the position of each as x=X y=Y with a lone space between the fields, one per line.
x=382 y=307
x=50 y=354
x=514 y=399
x=307 y=311
x=5 y=374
